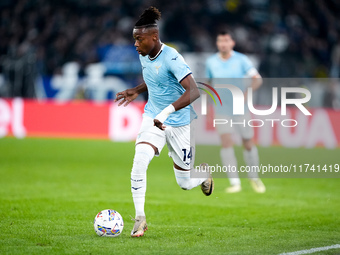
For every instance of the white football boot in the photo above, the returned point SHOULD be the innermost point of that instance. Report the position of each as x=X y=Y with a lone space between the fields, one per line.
x=140 y=226
x=207 y=186
x=258 y=185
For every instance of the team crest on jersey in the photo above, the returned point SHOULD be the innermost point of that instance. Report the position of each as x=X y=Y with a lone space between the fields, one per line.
x=157 y=67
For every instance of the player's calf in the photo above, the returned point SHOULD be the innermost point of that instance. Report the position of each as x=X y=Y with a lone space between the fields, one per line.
x=185 y=181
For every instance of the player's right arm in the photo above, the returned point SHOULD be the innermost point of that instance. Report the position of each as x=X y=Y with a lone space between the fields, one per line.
x=191 y=94
x=129 y=95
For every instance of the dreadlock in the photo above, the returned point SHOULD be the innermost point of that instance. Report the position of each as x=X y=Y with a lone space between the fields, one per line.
x=149 y=17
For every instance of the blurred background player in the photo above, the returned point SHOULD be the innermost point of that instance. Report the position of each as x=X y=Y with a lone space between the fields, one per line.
x=237 y=67
x=167 y=114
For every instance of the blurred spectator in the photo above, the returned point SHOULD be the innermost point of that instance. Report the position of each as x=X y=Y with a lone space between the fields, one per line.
x=335 y=70
x=330 y=97
x=294 y=38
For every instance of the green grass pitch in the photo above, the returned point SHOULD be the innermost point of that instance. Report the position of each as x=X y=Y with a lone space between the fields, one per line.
x=51 y=190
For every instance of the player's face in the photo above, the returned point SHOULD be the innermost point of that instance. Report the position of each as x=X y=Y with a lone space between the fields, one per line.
x=144 y=41
x=225 y=43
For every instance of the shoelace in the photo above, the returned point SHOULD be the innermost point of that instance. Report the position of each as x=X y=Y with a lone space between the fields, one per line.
x=133 y=219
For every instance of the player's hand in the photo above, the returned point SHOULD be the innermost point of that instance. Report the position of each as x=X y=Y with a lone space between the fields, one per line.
x=126 y=96
x=159 y=124
x=162 y=116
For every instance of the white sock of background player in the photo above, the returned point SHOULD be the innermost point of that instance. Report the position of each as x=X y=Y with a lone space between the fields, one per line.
x=252 y=159
x=228 y=158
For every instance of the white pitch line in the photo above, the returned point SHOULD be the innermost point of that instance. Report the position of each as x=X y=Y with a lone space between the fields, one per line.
x=335 y=246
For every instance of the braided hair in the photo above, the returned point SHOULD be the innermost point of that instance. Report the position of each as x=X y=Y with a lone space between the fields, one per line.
x=148 y=18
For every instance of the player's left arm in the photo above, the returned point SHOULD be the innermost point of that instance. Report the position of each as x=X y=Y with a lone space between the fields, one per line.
x=190 y=95
x=256 y=81
x=252 y=73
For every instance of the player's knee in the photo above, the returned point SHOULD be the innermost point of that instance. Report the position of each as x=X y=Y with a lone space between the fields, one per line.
x=140 y=160
x=143 y=155
x=248 y=144
x=226 y=141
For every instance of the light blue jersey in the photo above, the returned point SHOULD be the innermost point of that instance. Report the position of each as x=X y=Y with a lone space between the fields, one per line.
x=237 y=66
x=231 y=71
x=162 y=75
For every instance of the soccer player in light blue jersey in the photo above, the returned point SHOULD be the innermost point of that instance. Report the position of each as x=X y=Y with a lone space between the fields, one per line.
x=229 y=66
x=167 y=114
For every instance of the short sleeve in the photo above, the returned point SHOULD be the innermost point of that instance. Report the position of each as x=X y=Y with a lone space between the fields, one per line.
x=247 y=64
x=178 y=67
x=248 y=67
